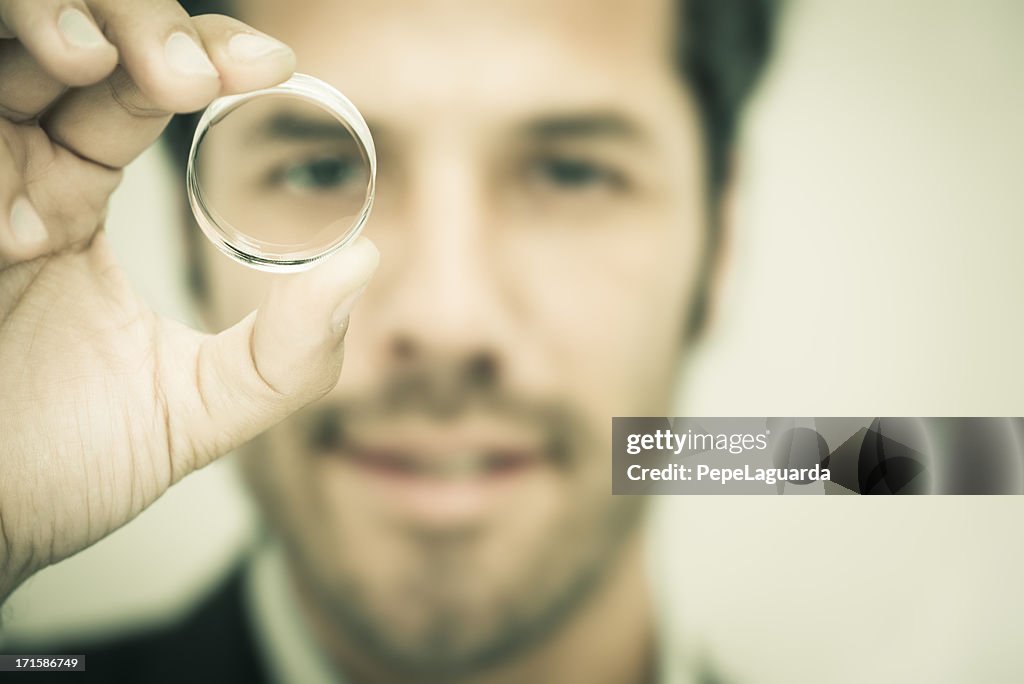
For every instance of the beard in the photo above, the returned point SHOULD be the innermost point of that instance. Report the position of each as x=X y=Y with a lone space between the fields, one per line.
x=435 y=604
x=453 y=622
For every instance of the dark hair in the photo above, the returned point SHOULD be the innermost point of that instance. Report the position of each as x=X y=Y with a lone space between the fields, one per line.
x=721 y=49
x=722 y=46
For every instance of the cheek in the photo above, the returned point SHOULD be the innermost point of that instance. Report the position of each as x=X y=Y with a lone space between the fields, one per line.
x=611 y=302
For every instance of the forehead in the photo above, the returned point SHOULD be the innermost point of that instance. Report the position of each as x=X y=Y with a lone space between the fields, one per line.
x=444 y=58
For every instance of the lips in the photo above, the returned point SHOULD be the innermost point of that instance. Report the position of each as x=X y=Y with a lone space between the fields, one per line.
x=454 y=464
x=428 y=483
x=417 y=447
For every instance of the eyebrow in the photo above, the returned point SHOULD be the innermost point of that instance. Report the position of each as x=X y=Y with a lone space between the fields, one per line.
x=286 y=125
x=585 y=125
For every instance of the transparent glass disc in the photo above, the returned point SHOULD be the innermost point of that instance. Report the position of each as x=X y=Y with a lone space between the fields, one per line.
x=281 y=178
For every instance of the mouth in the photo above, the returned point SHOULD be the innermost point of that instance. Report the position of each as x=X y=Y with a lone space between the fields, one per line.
x=460 y=464
x=436 y=477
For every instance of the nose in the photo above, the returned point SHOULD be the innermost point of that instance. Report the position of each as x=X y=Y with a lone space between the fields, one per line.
x=439 y=291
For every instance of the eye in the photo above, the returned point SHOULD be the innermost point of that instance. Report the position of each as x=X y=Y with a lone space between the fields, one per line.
x=575 y=173
x=318 y=175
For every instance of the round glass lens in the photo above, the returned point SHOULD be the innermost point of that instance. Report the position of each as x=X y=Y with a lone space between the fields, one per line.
x=281 y=178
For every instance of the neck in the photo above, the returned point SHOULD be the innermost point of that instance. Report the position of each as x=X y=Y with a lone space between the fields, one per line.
x=609 y=640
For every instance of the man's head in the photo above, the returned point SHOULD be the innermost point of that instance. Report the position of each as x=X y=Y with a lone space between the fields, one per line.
x=549 y=177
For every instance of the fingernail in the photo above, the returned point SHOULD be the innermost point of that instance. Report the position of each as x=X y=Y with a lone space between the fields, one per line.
x=186 y=57
x=249 y=46
x=340 y=318
x=79 y=30
x=26 y=225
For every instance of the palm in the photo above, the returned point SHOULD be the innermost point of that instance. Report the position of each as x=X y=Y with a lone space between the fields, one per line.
x=81 y=359
x=92 y=377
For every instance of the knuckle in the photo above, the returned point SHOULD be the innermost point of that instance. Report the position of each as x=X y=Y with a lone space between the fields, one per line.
x=129 y=97
x=12 y=115
x=80 y=206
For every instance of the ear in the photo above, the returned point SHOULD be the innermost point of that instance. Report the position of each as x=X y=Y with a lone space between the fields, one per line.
x=717 y=265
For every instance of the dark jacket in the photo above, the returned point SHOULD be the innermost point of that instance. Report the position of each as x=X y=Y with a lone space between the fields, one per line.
x=213 y=643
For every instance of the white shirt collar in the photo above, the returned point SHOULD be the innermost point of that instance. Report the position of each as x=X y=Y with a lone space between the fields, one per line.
x=290 y=652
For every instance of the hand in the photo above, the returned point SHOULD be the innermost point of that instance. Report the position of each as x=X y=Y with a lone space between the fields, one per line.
x=103 y=404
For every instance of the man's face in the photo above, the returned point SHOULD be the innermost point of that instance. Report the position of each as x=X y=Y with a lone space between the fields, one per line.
x=540 y=216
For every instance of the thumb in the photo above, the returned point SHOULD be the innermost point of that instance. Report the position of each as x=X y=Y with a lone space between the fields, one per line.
x=279 y=358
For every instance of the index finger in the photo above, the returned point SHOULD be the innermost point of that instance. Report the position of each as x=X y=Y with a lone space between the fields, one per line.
x=63 y=36
x=113 y=122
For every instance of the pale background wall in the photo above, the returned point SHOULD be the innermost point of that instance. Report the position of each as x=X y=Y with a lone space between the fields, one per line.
x=877 y=271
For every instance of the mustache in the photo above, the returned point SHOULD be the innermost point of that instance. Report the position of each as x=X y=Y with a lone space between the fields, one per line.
x=438 y=393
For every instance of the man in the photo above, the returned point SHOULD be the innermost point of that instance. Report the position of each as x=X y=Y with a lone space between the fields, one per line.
x=548 y=216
